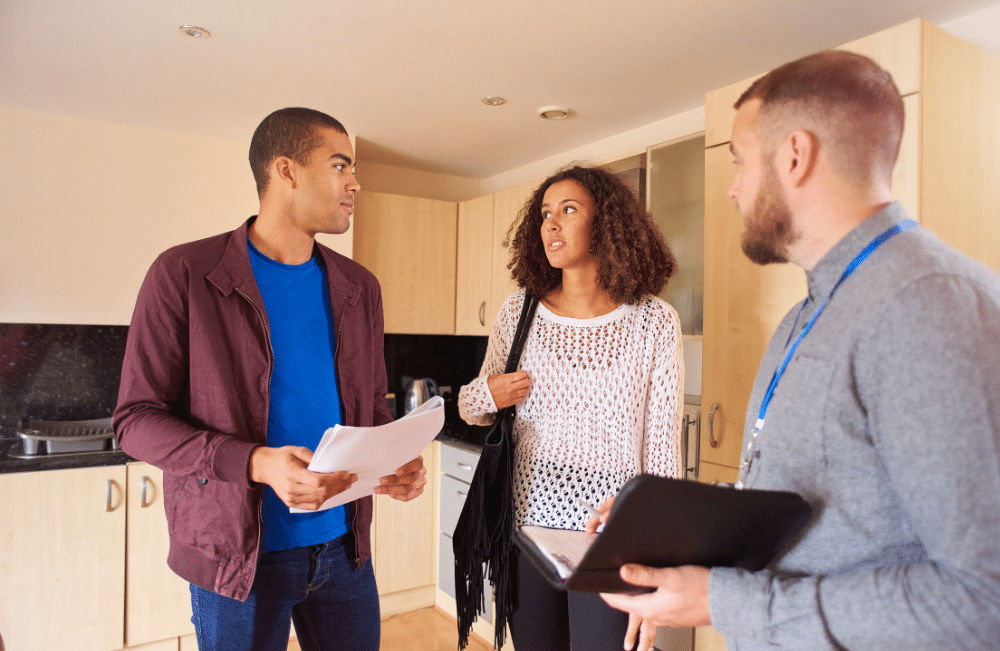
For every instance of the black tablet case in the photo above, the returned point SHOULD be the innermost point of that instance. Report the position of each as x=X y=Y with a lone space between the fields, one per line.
x=662 y=522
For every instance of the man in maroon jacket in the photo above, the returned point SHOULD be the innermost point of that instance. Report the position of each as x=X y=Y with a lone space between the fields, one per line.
x=243 y=348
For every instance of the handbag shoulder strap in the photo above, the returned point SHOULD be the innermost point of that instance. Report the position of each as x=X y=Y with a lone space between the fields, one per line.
x=521 y=333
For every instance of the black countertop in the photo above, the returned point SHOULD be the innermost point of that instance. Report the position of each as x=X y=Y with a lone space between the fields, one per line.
x=455 y=433
x=463 y=435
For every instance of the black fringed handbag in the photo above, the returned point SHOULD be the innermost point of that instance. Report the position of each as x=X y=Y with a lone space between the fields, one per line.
x=484 y=529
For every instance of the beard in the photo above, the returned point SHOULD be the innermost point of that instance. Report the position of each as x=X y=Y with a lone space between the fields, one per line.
x=767 y=230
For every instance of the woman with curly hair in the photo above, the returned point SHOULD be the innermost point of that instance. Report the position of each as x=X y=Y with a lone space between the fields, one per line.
x=599 y=388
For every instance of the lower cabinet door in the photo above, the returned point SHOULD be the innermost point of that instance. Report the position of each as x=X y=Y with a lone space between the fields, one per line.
x=157 y=601
x=62 y=559
x=404 y=539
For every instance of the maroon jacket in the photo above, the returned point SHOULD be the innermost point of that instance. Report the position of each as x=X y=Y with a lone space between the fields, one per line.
x=194 y=396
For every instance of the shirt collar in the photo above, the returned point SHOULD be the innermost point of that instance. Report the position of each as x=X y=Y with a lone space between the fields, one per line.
x=831 y=266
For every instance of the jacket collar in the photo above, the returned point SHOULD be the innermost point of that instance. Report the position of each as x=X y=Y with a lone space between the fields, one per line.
x=235 y=273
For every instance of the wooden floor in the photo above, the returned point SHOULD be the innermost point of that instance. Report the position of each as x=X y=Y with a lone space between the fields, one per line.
x=428 y=629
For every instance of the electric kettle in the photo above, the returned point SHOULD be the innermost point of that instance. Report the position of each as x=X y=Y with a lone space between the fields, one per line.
x=419 y=391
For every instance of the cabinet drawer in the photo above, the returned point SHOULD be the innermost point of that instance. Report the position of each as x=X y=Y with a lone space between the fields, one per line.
x=446 y=575
x=458 y=463
x=453 y=494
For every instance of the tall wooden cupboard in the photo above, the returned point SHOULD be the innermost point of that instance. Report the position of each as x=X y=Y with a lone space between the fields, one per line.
x=947 y=177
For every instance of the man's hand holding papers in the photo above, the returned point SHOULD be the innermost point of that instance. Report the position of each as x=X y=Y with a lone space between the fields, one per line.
x=406 y=484
x=285 y=470
x=386 y=458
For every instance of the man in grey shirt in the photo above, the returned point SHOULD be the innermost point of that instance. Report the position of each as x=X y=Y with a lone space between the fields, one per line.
x=887 y=415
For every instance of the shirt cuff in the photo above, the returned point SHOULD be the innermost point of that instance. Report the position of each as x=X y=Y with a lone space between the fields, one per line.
x=737 y=602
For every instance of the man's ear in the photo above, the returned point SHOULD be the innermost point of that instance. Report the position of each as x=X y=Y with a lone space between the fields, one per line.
x=797 y=157
x=283 y=171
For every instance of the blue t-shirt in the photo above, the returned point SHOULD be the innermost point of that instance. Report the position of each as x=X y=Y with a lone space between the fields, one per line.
x=304 y=400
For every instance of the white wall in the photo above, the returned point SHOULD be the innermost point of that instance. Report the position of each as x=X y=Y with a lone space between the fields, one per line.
x=88 y=205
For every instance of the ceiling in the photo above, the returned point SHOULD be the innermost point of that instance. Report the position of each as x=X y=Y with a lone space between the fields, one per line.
x=407 y=77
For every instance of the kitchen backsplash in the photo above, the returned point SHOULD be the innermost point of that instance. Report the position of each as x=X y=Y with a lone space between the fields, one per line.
x=58 y=372
x=448 y=360
x=72 y=372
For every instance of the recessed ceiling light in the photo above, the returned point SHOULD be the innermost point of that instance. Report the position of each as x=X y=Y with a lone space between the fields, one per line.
x=553 y=112
x=494 y=101
x=194 y=32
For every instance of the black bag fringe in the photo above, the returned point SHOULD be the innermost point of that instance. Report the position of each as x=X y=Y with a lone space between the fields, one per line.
x=482 y=537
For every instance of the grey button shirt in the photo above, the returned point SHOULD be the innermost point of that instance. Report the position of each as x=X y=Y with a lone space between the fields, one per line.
x=887 y=421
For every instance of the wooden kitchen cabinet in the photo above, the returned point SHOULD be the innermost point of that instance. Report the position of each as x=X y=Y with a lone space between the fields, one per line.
x=506 y=208
x=409 y=243
x=83 y=562
x=707 y=638
x=62 y=559
x=483 y=279
x=896 y=49
x=474 y=267
x=743 y=305
x=157 y=601
x=404 y=544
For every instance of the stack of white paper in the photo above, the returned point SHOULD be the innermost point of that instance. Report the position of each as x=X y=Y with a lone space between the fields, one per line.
x=374 y=452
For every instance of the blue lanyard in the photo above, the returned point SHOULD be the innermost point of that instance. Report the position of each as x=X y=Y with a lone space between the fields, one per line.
x=858 y=259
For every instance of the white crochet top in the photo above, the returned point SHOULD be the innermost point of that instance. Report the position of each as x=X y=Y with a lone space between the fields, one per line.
x=605 y=404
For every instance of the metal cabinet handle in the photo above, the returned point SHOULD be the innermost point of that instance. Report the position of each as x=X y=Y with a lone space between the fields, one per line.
x=464 y=466
x=482 y=313
x=693 y=465
x=461 y=494
x=684 y=439
x=714 y=442
x=143 y=482
x=108 y=506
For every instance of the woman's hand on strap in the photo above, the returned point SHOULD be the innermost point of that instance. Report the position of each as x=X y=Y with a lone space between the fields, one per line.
x=509 y=388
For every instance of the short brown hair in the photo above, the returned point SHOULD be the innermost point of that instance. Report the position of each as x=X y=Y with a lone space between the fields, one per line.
x=851 y=103
x=633 y=258
x=290 y=132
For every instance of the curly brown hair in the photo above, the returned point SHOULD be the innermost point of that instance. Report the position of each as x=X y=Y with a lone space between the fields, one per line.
x=633 y=259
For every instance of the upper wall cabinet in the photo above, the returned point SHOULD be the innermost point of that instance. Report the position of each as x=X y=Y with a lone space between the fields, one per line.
x=409 y=244
x=507 y=206
x=474 y=282
x=947 y=176
x=896 y=50
x=484 y=281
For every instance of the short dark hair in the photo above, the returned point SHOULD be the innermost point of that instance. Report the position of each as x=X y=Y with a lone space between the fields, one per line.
x=853 y=104
x=290 y=132
x=633 y=259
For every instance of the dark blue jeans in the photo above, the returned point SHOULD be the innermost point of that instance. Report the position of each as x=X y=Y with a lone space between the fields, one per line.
x=333 y=603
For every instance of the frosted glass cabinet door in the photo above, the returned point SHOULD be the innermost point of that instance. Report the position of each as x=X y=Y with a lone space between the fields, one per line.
x=676 y=190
